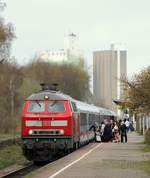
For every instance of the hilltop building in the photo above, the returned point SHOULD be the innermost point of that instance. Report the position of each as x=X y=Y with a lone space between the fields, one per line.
x=71 y=52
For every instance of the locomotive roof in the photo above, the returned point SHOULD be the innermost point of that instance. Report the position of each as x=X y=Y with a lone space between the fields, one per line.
x=83 y=107
x=53 y=95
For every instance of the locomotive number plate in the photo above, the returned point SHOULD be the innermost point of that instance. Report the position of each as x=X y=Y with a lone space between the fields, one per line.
x=46 y=123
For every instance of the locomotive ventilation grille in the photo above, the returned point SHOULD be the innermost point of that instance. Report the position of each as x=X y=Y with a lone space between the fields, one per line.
x=46 y=132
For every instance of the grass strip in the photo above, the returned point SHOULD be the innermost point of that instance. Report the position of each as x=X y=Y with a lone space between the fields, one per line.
x=146 y=148
x=10 y=155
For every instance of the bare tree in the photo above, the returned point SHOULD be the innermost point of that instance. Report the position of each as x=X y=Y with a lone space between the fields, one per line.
x=137 y=91
x=7 y=71
x=72 y=79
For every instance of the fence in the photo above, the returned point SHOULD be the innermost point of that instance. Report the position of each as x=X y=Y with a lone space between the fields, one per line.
x=142 y=123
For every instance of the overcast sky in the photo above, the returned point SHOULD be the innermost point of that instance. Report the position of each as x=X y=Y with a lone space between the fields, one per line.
x=41 y=24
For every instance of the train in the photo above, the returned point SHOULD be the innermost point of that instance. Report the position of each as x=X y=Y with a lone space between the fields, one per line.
x=53 y=123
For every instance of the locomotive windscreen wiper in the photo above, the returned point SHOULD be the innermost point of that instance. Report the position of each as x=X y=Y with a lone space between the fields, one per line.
x=53 y=103
x=38 y=103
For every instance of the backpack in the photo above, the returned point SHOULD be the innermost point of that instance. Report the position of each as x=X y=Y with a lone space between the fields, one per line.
x=123 y=128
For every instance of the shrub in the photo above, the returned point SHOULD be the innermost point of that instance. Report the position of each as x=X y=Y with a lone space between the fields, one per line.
x=147 y=136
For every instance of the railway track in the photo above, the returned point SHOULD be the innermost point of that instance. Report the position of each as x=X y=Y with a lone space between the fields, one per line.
x=21 y=172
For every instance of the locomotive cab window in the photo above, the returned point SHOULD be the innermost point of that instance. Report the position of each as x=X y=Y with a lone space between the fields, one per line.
x=74 y=107
x=56 y=106
x=36 y=106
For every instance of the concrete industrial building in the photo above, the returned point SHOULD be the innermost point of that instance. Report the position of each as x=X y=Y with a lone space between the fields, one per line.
x=108 y=67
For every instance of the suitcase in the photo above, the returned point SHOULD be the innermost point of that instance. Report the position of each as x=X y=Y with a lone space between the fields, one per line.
x=98 y=138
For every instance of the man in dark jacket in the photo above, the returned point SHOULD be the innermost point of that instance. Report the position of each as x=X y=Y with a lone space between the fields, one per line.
x=123 y=132
x=107 y=136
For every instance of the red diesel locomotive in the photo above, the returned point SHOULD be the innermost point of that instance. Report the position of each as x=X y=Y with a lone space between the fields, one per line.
x=53 y=122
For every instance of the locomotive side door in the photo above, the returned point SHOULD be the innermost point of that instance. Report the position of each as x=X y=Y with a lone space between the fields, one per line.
x=76 y=125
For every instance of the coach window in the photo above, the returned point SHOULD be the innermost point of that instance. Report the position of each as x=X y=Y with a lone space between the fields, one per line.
x=91 y=121
x=83 y=119
x=97 y=119
x=93 y=116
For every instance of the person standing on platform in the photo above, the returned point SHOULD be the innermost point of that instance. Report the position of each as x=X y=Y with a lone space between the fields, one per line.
x=127 y=123
x=123 y=132
x=116 y=133
x=102 y=131
x=107 y=133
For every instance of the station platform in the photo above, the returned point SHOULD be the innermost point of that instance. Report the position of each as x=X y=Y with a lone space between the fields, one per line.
x=101 y=160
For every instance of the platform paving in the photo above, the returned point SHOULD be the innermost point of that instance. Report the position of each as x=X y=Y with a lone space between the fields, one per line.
x=107 y=160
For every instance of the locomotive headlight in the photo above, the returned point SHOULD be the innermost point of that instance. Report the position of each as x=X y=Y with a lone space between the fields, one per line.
x=30 y=132
x=46 y=97
x=62 y=132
